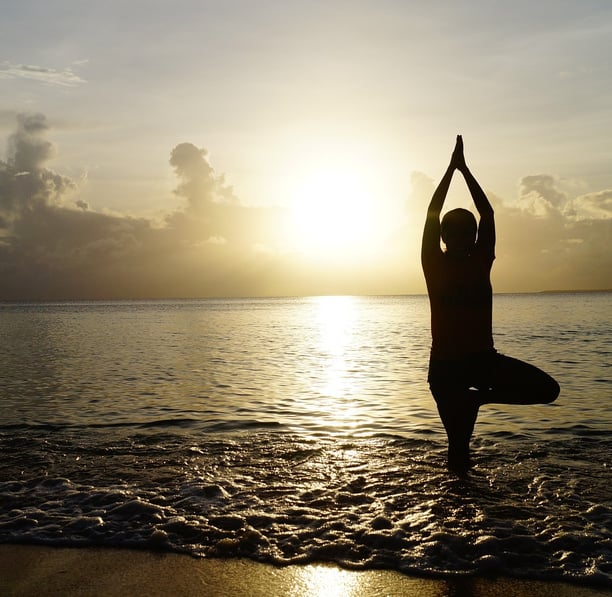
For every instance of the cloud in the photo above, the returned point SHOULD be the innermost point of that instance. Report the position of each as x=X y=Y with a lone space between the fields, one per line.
x=49 y=245
x=25 y=185
x=211 y=210
x=539 y=196
x=63 y=78
x=28 y=150
x=593 y=206
x=53 y=245
x=546 y=239
x=550 y=240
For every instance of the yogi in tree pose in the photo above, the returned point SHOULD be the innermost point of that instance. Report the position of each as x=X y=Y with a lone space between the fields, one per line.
x=465 y=371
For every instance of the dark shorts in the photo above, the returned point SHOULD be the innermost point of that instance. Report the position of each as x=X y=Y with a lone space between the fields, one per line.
x=473 y=371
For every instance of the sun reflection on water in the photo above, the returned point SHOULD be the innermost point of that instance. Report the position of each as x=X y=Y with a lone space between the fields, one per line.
x=335 y=321
x=327 y=581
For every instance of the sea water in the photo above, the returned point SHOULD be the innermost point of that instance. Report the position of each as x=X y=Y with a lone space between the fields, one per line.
x=294 y=430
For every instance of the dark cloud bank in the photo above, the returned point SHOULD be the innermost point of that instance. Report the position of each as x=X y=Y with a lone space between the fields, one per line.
x=53 y=246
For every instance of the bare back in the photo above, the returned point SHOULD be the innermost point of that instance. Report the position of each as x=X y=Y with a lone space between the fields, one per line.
x=460 y=296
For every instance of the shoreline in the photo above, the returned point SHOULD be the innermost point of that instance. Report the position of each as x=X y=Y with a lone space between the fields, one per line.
x=28 y=570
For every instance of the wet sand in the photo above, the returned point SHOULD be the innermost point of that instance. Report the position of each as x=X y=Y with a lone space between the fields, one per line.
x=51 y=571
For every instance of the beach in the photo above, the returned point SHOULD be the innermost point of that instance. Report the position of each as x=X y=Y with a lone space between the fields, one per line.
x=291 y=432
x=38 y=570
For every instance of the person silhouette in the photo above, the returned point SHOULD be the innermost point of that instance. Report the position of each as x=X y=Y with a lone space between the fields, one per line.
x=465 y=370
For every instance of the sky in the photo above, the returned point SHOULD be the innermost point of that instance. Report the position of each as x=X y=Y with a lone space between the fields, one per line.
x=201 y=148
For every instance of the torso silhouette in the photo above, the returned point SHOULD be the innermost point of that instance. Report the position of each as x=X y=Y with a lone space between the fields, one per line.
x=460 y=295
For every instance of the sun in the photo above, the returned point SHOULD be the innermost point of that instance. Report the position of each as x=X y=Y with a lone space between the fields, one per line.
x=333 y=211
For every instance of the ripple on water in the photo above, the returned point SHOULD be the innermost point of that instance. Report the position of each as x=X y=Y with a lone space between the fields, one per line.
x=359 y=502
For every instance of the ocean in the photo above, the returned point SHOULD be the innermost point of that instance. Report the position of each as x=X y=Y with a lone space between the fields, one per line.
x=295 y=430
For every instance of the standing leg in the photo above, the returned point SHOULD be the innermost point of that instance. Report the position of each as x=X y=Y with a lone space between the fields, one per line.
x=458 y=410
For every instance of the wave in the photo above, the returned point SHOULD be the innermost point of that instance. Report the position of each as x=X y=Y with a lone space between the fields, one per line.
x=528 y=510
x=211 y=425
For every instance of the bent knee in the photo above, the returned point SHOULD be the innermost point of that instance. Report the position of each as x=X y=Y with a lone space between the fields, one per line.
x=552 y=391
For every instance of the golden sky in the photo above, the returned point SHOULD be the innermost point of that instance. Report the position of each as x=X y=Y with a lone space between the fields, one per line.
x=156 y=149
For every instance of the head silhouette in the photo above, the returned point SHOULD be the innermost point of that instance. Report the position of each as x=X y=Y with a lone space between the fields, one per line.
x=458 y=230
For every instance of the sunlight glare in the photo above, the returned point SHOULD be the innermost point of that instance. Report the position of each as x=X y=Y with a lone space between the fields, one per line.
x=334 y=212
x=336 y=317
x=319 y=580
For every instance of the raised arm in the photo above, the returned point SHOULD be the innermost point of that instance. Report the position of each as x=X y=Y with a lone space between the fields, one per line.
x=431 y=234
x=486 y=227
